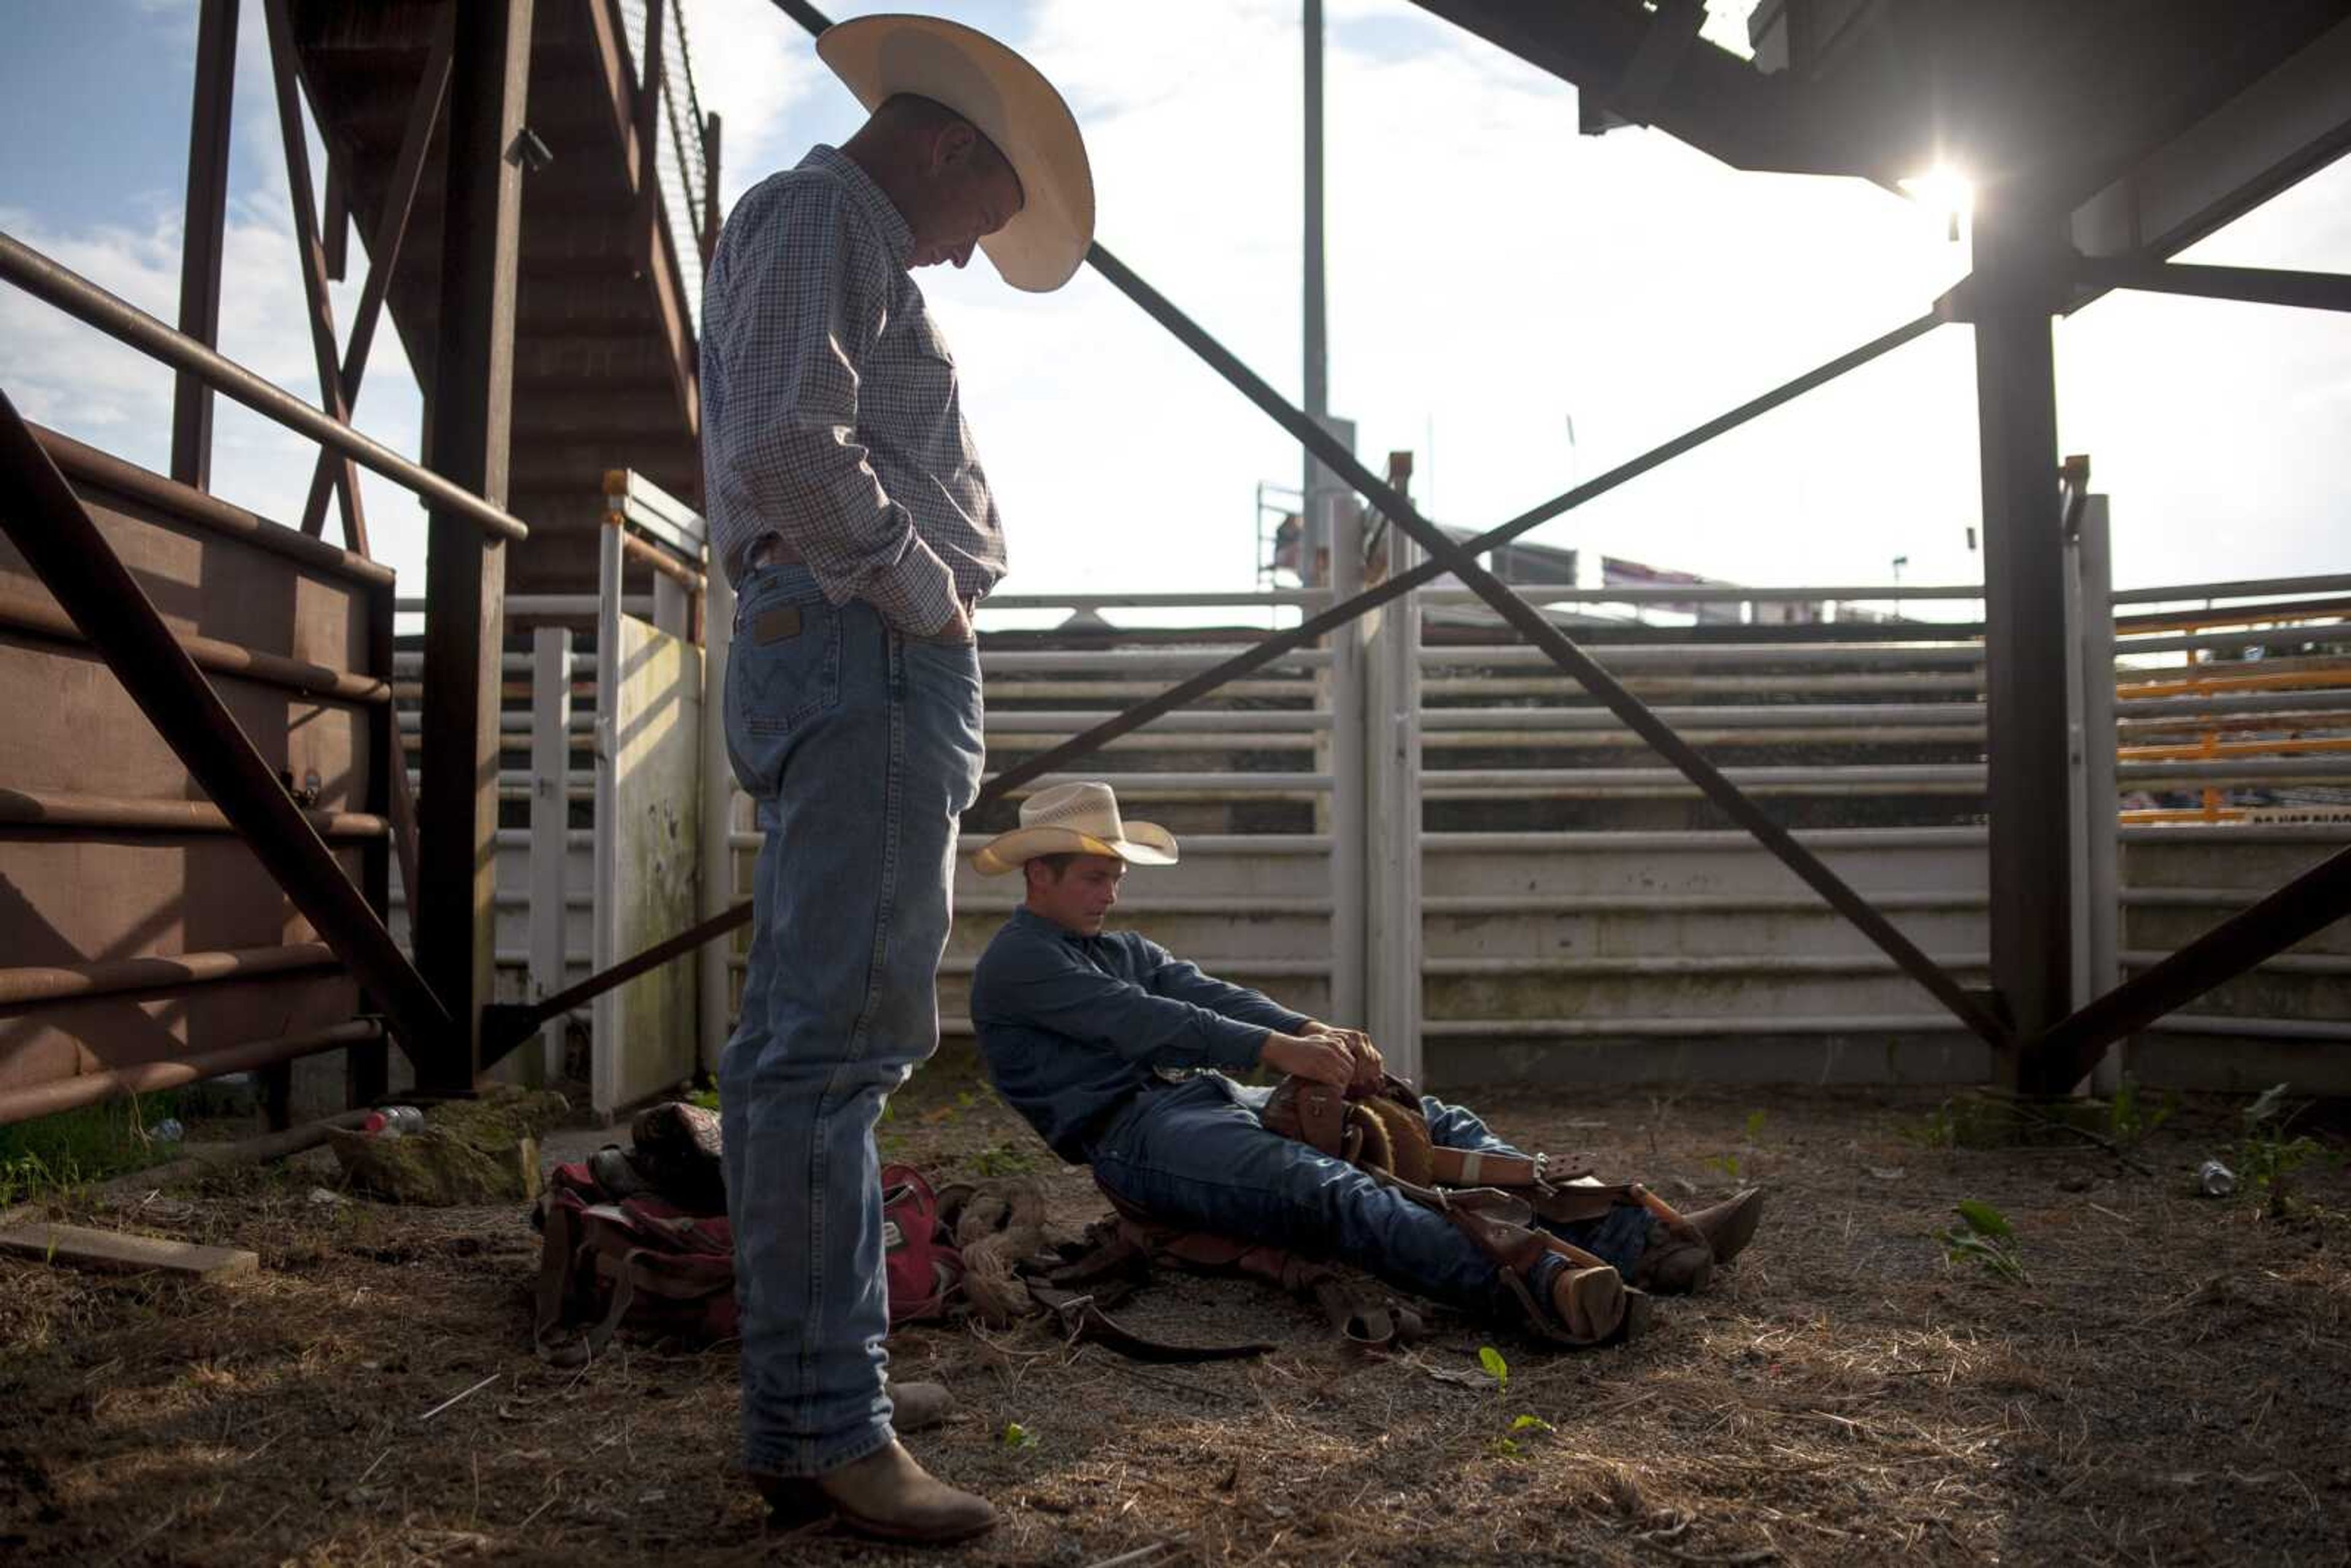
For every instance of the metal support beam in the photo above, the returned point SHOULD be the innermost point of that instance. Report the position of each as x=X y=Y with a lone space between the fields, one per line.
x=2307 y=905
x=2254 y=284
x=550 y=822
x=709 y=238
x=59 y=541
x=1537 y=628
x=469 y=417
x=2018 y=274
x=203 y=236
x=1400 y=583
x=313 y=256
x=384 y=246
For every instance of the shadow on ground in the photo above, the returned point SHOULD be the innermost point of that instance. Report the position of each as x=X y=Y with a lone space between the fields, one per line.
x=2168 y=1380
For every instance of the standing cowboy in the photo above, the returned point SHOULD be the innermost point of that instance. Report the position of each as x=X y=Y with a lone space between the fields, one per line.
x=854 y=519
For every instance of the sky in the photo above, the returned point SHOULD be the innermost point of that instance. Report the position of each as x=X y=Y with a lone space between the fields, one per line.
x=1520 y=307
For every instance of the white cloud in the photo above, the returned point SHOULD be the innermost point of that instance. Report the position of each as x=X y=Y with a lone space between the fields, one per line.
x=752 y=65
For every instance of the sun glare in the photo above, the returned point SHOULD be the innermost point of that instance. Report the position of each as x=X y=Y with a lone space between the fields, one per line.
x=1943 y=191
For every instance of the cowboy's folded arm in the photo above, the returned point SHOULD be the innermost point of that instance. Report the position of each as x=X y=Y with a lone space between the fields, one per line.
x=1083 y=1004
x=795 y=332
x=1185 y=981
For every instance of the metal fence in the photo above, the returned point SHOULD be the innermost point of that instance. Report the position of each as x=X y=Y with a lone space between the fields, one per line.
x=1413 y=825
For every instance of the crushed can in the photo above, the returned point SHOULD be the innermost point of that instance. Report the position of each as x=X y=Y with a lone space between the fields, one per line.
x=2214 y=1179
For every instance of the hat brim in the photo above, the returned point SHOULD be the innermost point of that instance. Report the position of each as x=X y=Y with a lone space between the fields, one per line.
x=1010 y=102
x=1146 y=843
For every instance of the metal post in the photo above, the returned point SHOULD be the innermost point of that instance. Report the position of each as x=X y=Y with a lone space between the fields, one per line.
x=604 y=1019
x=550 y=825
x=1392 y=986
x=464 y=573
x=671 y=605
x=2017 y=278
x=203 y=234
x=709 y=238
x=717 y=810
x=1312 y=522
x=366 y=1065
x=2100 y=827
x=1350 y=829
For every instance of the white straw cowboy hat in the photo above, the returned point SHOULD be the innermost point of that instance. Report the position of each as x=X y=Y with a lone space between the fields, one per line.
x=1075 y=819
x=1010 y=103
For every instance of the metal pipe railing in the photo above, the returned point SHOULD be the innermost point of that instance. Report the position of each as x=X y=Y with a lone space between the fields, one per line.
x=2240 y=588
x=35 y=986
x=90 y=1088
x=77 y=297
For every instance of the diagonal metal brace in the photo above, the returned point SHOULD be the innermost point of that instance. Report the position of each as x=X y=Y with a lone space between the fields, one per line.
x=54 y=531
x=2303 y=908
x=1534 y=625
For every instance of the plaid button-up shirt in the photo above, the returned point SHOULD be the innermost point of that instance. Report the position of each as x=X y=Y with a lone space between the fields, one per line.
x=828 y=405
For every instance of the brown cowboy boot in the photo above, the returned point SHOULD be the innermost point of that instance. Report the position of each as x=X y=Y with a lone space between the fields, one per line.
x=886 y=1495
x=1590 y=1304
x=1729 y=1225
x=1683 y=1256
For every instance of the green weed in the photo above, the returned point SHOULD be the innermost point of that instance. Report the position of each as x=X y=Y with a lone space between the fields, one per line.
x=89 y=1143
x=1005 y=1159
x=1983 y=1236
x=1016 y=1436
x=2266 y=1158
x=2129 y=1119
x=1490 y=1361
x=1939 y=1129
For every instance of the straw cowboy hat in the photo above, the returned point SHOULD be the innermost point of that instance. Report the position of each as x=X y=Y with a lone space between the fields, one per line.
x=1010 y=103
x=1075 y=819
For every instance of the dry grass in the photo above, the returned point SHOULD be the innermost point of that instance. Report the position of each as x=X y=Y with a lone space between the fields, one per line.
x=2167 y=1383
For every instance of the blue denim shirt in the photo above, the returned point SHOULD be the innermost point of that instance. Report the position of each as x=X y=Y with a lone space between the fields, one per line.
x=1073 y=1027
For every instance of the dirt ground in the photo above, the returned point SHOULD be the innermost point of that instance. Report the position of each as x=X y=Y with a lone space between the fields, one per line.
x=2170 y=1381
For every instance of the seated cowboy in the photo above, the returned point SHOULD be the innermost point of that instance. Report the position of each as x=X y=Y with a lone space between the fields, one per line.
x=1118 y=1053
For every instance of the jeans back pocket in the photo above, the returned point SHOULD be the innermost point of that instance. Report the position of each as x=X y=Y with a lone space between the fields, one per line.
x=783 y=673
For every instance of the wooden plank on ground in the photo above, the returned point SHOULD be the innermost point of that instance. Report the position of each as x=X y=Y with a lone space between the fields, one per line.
x=106 y=1249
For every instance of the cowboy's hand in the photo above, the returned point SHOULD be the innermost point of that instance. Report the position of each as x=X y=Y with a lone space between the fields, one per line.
x=1369 y=1071
x=954 y=630
x=1319 y=1058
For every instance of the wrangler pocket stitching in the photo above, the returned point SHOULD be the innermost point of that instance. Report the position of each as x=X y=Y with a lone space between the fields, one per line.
x=803 y=668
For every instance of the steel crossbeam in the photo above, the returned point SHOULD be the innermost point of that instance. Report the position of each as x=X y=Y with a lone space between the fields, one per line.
x=334 y=396
x=2307 y=905
x=1537 y=628
x=58 y=538
x=383 y=252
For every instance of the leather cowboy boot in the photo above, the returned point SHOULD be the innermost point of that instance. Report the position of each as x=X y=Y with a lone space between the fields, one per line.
x=886 y=1495
x=1590 y=1304
x=1684 y=1250
x=917 y=1407
x=1729 y=1225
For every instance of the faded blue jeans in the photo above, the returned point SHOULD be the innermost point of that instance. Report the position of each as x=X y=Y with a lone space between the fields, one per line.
x=1196 y=1153
x=861 y=748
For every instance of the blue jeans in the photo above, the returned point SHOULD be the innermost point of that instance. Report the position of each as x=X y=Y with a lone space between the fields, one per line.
x=1196 y=1155
x=861 y=748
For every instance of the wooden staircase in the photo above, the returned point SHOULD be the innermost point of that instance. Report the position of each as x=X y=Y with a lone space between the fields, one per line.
x=605 y=358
